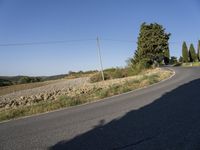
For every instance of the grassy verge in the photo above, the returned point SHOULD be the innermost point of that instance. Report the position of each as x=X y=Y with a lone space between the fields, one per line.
x=192 y=64
x=114 y=73
x=92 y=95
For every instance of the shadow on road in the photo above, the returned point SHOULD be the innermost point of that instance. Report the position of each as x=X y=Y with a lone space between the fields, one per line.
x=170 y=122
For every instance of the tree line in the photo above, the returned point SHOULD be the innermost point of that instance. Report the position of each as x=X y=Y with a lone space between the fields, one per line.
x=153 y=48
x=190 y=55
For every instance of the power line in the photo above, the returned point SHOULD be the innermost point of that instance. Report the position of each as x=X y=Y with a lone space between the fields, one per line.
x=77 y=40
x=45 y=42
x=118 y=40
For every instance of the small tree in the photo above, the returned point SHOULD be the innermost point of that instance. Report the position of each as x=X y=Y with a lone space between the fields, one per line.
x=185 y=52
x=24 y=80
x=173 y=60
x=180 y=59
x=192 y=53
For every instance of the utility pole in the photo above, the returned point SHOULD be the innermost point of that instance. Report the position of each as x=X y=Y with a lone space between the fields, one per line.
x=100 y=60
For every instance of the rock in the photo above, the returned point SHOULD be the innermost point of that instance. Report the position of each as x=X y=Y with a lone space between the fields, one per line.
x=12 y=105
x=82 y=92
x=7 y=106
x=2 y=105
x=32 y=97
x=28 y=103
x=22 y=98
x=36 y=100
x=46 y=96
x=38 y=97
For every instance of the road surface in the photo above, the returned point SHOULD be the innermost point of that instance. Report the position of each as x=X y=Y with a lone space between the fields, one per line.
x=163 y=116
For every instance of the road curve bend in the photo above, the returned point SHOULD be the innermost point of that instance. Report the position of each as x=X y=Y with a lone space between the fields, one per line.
x=163 y=116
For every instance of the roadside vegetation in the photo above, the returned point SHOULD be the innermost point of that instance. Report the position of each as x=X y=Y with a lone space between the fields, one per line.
x=143 y=79
x=141 y=70
x=190 y=57
x=113 y=73
x=191 y=64
x=152 y=51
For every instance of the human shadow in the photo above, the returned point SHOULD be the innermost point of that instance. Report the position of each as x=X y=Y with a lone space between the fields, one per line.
x=170 y=122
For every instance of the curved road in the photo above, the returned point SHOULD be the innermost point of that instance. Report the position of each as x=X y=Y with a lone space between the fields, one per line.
x=163 y=116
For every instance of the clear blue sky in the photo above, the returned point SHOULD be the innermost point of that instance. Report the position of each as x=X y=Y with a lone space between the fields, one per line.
x=24 y=21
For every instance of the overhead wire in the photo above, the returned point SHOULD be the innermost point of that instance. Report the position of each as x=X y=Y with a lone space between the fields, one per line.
x=76 y=40
x=45 y=42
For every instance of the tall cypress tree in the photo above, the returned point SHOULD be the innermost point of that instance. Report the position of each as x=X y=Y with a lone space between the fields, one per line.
x=192 y=53
x=198 y=50
x=152 y=44
x=185 y=52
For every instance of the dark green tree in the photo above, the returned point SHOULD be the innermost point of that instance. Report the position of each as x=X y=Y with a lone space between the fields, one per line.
x=173 y=60
x=192 y=53
x=27 y=79
x=185 y=52
x=23 y=80
x=198 y=50
x=180 y=59
x=152 y=44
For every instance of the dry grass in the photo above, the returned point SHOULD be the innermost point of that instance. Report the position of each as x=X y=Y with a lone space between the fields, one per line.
x=14 y=88
x=192 y=64
x=113 y=87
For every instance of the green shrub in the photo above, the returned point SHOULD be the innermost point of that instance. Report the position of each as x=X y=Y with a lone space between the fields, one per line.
x=114 y=73
x=153 y=79
x=142 y=65
x=5 y=82
x=27 y=79
x=103 y=93
x=97 y=77
x=119 y=73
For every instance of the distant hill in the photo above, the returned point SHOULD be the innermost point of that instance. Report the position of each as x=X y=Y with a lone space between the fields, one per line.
x=11 y=80
x=55 y=77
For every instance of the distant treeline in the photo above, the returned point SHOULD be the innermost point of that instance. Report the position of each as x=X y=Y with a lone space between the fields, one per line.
x=6 y=81
x=190 y=55
x=13 y=80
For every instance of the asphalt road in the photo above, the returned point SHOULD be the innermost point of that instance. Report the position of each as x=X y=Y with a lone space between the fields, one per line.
x=163 y=116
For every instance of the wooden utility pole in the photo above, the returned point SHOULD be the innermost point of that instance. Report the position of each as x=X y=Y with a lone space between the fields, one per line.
x=100 y=60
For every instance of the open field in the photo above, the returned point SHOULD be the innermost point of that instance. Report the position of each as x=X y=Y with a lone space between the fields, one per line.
x=14 y=88
x=70 y=92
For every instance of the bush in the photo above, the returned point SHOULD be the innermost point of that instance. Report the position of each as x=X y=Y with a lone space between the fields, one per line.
x=142 y=65
x=119 y=73
x=98 y=77
x=24 y=80
x=113 y=73
x=173 y=60
x=177 y=64
x=5 y=82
